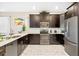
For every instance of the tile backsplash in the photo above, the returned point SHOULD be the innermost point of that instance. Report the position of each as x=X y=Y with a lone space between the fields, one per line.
x=50 y=30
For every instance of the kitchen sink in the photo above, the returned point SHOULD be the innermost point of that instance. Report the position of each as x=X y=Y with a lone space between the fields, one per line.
x=9 y=37
x=12 y=36
x=15 y=36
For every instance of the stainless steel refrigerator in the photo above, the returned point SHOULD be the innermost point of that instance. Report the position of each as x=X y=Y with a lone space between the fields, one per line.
x=71 y=36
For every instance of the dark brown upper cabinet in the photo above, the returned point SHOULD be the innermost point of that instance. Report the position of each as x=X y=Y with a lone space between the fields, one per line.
x=69 y=13
x=54 y=21
x=35 y=21
x=57 y=20
x=72 y=11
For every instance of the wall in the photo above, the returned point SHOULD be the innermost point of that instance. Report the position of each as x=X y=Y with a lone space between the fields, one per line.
x=12 y=15
x=62 y=21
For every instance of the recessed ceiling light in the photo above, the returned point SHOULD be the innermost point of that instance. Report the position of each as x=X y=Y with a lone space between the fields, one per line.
x=56 y=7
x=34 y=7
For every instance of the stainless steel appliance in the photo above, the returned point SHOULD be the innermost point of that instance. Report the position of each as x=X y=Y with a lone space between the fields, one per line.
x=44 y=36
x=71 y=36
x=44 y=24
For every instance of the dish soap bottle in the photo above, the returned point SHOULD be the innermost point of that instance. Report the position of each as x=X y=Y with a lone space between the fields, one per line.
x=23 y=27
x=1 y=37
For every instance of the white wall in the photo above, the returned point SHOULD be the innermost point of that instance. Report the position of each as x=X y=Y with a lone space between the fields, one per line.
x=62 y=21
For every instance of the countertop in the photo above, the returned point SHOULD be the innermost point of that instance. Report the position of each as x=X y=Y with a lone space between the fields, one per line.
x=30 y=31
x=6 y=41
x=50 y=30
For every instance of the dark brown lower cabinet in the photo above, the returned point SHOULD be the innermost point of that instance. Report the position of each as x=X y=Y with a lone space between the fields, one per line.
x=22 y=44
x=15 y=48
x=53 y=40
x=60 y=38
x=34 y=38
x=2 y=51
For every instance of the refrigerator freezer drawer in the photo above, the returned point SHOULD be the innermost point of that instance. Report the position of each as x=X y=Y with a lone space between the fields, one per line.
x=71 y=48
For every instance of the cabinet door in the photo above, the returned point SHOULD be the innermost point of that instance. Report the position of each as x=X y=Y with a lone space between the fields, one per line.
x=25 y=40
x=76 y=6
x=60 y=38
x=69 y=13
x=11 y=49
x=72 y=11
x=19 y=46
x=53 y=39
x=54 y=21
x=34 y=20
x=66 y=15
x=57 y=21
x=2 y=51
x=34 y=38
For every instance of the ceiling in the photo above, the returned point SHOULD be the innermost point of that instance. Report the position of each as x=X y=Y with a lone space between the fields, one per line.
x=34 y=7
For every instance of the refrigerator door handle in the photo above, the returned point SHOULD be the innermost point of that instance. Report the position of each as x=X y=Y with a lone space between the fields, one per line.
x=68 y=29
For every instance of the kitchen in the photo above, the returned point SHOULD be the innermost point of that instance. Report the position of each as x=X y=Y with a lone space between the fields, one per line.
x=21 y=29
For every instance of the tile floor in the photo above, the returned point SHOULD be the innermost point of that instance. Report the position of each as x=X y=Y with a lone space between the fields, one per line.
x=44 y=50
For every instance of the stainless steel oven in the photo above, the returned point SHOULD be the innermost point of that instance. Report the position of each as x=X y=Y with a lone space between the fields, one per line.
x=44 y=24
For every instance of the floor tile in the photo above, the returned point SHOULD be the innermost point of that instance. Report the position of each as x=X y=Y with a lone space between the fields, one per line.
x=44 y=50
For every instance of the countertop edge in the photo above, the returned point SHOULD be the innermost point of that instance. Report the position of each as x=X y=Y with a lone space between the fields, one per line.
x=7 y=41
